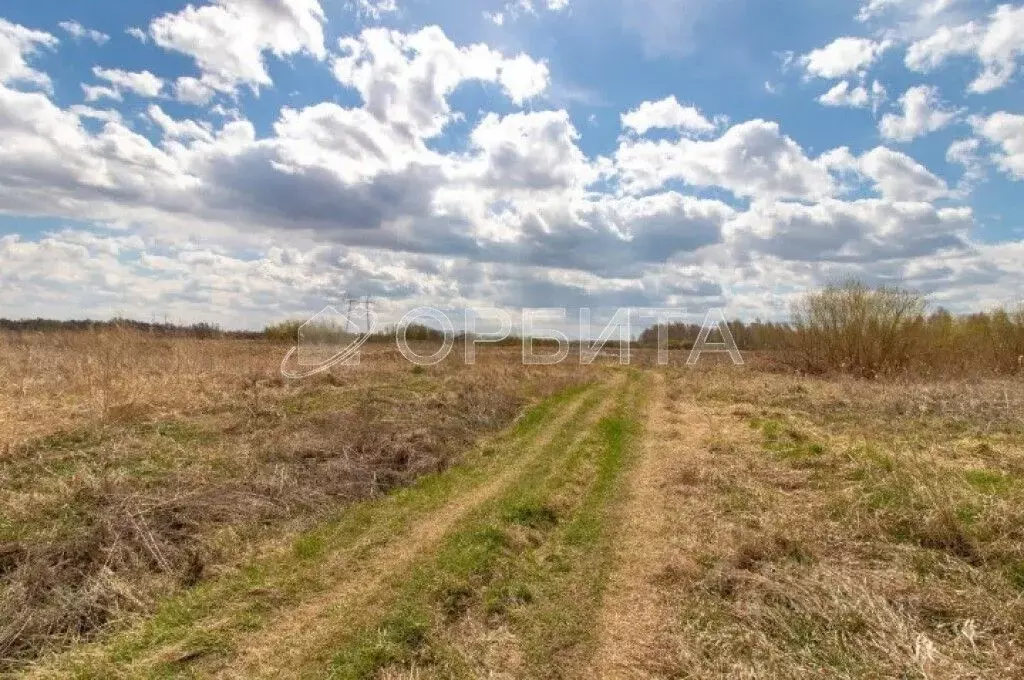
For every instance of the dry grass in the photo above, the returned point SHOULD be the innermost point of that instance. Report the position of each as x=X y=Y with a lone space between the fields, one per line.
x=779 y=525
x=847 y=529
x=134 y=466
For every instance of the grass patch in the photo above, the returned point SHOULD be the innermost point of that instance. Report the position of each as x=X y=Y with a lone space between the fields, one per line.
x=247 y=599
x=542 y=587
x=786 y=441
x=990 y=482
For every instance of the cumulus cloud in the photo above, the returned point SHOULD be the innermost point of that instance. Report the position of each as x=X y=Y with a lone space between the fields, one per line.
x=228 y=39
x=104 y=115
x=533 y=151
x=843 y=57
x=997 y=42
x=405 y=79
x=922 y=113
x=17 y=45
x=80 y=32
x=1007 y=131
x=842 y=95
x=363 y=197
x=866 y=230
x=899 y=177
x=894 y=175
x=94 y=93
x=174 y=129
x=966 y=153
x=189 y=90
x=514 y=9
x=376 y=9
x=666 y=114
x=922 y=9
x=751 y=159
x=143 y=83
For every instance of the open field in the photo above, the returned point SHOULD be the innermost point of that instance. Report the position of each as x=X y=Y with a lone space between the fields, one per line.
x=172 y=508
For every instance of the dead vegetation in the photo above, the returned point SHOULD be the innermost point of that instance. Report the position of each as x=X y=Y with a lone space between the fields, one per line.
x=133 y=466
x=848 y=529
x=856 y=517
x=885 y=332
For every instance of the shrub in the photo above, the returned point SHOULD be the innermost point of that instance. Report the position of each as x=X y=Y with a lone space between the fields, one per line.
x=283 y=332
x=857 y=329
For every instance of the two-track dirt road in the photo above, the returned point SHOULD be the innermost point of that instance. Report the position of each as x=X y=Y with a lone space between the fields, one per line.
x=647 y=525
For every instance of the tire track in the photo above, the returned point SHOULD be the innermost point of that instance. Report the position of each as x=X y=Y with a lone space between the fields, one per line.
x=636 y=621
x=304 y=636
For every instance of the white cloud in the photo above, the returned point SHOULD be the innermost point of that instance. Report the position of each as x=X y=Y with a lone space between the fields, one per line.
x=95 y=93
x=405 y=79
x=17 y=44
x=175 y=129
x=523 y=78
x=666 y=114
x=191 y=90
x=514 y=9
x=376 y=9
x=80 y=32
x=997 y=43
x=519 y=214
x=894 y=175
x=879 y=95
x=922 y=113
x=138 y=34
x=842 y=95
x=873 y=8
x=228 y=39
x=143 y=83
x=863 y=231
x=533 y=151
x=103 y=115
x=929 y=53
x=858 y=97
x=750 y=159
x=912 y=13
x=843 y=57
x=899 y=177
x=1007 y=131
x=965 y=152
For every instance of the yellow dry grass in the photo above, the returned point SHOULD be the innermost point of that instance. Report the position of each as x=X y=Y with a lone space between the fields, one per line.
x=133 y=465
x=822 y=529
x=771 y=525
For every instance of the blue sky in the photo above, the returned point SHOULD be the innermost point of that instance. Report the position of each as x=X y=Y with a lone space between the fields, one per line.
x=240 y=161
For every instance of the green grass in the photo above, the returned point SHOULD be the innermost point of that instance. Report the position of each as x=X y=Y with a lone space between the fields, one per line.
x=532 y=561
x=989 y=482
x=788 y=442
x=245 y=600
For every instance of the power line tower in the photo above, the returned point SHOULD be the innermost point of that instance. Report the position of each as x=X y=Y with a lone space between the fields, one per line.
x=366 y=306
x=348 y=313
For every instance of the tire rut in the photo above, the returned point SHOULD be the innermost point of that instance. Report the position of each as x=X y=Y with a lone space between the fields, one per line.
x=304 y=634
x=635 y=623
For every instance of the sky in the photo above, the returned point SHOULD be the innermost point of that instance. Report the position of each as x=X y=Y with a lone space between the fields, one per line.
x=240 y=162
